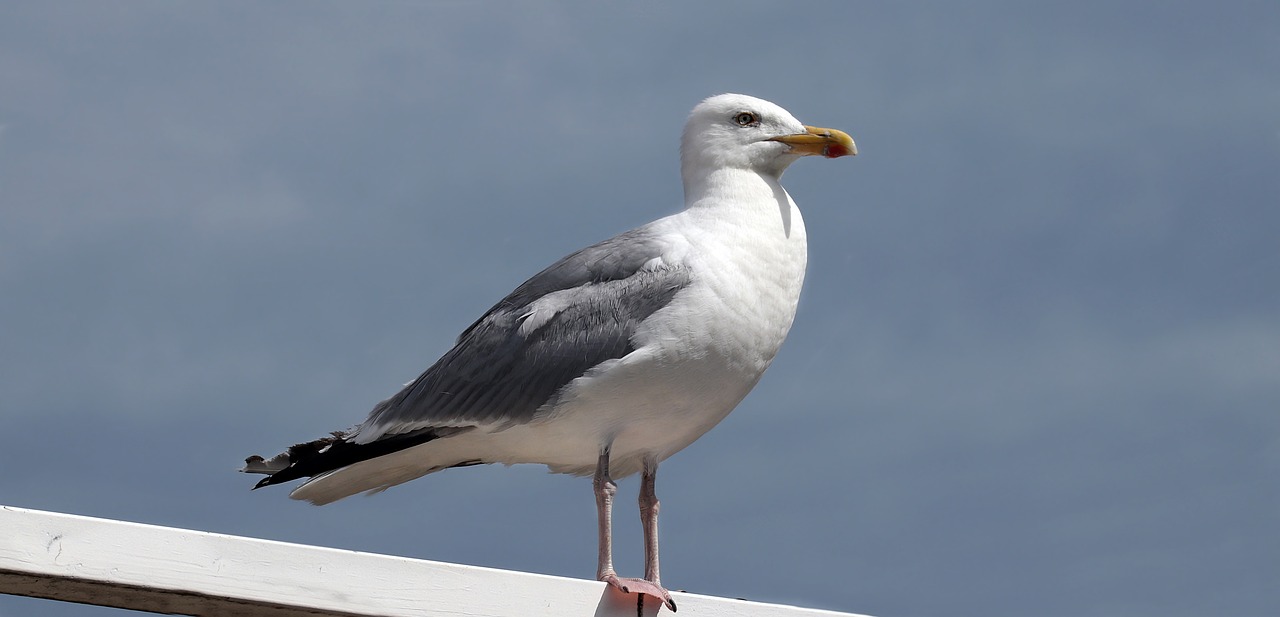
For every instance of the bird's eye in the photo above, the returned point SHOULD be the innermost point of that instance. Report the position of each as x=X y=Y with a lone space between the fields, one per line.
x=746 y=118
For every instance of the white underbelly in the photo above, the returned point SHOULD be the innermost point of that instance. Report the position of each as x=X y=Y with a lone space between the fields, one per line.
x=695 y=359
x=694 y=365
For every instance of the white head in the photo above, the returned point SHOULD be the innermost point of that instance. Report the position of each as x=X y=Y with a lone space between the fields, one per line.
x=743 y=132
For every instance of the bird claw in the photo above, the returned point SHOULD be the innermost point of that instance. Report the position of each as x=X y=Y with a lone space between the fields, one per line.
x=641 y=586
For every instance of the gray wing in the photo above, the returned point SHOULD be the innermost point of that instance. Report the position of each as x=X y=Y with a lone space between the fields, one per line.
x=577 y=313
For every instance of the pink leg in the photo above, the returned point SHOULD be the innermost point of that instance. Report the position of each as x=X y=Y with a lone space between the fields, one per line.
x=649 y=520
x=605 y=489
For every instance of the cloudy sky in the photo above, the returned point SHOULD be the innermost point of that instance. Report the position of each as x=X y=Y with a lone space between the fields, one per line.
x=1036 y=368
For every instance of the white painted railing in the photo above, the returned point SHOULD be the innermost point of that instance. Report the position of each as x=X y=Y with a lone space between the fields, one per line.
x=179 y=571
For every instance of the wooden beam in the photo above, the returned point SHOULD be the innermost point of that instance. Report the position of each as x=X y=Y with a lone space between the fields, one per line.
x=179 y=571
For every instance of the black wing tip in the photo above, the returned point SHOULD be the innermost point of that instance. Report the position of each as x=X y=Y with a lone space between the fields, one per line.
x=328 y=453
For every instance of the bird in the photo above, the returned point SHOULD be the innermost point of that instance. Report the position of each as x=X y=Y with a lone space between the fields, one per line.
x=618 y=355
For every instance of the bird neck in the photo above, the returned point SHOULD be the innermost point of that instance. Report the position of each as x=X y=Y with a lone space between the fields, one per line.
x=740 y=196
x=732 y=185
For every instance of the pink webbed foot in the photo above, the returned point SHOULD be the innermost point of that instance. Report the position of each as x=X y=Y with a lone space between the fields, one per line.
x=641 y=586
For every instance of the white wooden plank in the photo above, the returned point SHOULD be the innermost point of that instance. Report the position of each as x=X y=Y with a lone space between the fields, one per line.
x=179 y=571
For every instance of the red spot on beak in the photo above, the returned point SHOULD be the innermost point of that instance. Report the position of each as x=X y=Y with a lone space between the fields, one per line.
x=833 y=151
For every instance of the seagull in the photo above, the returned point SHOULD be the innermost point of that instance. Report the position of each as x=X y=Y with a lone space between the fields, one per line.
x=615 y=357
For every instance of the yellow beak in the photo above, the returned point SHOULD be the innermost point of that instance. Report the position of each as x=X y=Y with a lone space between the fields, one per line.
x=825 y=142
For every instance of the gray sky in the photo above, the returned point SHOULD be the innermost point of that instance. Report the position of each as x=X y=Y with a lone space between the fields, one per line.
x=1036 y=368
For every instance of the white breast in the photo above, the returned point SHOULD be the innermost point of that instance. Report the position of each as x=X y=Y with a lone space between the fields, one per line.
x=696 y=358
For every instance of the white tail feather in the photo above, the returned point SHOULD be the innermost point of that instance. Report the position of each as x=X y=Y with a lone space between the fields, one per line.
x=381 y=473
